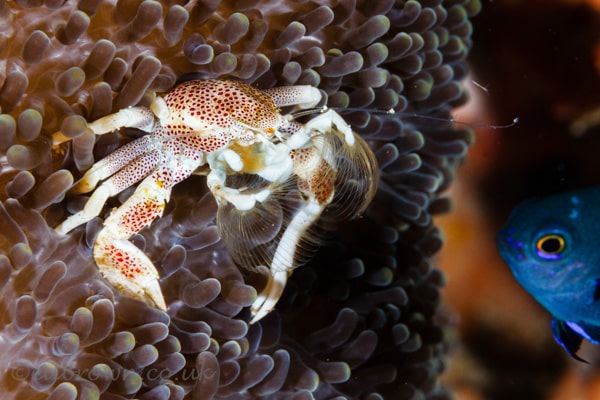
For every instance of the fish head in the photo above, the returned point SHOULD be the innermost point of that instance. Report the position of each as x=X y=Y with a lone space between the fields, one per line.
x=551 y=245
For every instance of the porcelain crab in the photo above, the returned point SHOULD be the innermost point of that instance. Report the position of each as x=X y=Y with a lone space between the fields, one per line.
x=272 y=178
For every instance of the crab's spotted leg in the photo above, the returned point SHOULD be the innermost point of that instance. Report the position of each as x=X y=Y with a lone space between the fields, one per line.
x=120 y=181
x=134 y=150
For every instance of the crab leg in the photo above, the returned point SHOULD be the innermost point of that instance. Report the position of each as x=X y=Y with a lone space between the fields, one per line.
x=120 y=181
x=283 y=260
x=115 y=161
x=132 y=117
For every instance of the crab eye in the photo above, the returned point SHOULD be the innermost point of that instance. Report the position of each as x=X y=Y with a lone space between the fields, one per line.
x=550 y=246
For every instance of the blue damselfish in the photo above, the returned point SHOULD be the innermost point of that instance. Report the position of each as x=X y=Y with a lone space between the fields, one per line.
x=552 y=246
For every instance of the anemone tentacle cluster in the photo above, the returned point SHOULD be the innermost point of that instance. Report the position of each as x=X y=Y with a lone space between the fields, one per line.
x=357 y=321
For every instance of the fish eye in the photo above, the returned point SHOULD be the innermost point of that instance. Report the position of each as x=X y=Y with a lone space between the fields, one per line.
x=550 y=246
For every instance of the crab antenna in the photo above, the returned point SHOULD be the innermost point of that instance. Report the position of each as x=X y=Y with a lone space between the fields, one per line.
x=391 y=111
x=308 y=111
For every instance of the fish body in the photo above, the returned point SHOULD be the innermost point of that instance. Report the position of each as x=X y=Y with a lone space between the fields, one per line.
x=552 y=246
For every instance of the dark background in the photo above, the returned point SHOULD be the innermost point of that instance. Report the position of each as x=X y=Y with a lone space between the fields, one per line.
x=538 y=61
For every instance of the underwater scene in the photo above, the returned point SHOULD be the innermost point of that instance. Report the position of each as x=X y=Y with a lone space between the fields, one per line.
x=519 y=246
x=298 y=199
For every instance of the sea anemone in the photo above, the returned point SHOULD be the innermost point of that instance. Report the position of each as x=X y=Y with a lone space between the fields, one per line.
x=357 y=321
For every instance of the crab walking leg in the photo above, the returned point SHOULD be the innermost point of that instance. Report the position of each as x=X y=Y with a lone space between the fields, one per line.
x=283 y=260
x=126 y=177
x=132 y=117
x=114 y=162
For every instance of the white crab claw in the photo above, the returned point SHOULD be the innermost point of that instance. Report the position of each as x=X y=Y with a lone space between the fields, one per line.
x=128 y=269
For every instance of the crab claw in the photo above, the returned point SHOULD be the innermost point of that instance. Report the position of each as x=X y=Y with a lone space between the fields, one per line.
x=128 y=269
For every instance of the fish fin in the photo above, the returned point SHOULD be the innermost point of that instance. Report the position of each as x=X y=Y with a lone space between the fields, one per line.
x=589 y=332
x=567 y=338
x=596 y=290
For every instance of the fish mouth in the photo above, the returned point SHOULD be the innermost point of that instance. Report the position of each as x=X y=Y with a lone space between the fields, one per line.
x=511 y=253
